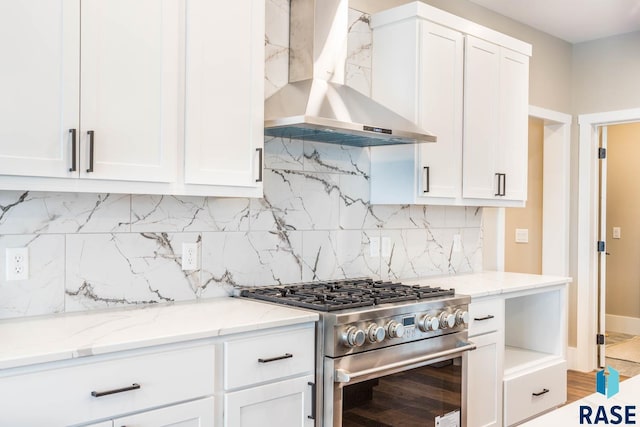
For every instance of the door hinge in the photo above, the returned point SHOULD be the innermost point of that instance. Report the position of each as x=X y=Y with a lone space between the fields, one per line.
x=602 y=153
x=600 y=246
x=600 y=339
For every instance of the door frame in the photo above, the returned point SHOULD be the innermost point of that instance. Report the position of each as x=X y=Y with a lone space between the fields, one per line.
x=587 y=232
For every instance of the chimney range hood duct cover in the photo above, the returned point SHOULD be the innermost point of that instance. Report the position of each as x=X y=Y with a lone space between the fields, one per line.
x=316 y=105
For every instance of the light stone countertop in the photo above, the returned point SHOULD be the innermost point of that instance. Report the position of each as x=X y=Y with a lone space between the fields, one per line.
x=488 y=283
x=67 y=336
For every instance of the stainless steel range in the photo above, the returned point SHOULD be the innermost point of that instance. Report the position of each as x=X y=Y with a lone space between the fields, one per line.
x=388 y=354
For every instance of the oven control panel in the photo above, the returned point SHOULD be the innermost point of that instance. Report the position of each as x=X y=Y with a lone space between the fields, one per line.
x=383 y=331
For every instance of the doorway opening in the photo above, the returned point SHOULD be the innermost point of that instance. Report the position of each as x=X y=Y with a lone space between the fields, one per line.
x=587 y=278
x=619 y=284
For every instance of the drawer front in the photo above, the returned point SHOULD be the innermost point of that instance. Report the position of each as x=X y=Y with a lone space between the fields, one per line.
x=63 y=395
x=486 y=316
x=269 y=357
x=527 y=395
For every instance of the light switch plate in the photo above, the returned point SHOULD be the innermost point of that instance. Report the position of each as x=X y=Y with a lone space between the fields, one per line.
x=616 y=232
x=522 y=235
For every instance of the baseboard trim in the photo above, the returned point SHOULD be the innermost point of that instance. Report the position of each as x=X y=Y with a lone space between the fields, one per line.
x=623 y=324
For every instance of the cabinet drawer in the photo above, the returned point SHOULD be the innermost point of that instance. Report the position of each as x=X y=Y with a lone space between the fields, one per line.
x=269 y=357
x=486 y=316
x=520 y=400
x=63 y=395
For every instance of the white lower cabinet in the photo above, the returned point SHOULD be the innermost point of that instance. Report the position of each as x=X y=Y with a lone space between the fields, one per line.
x=484 y=381
x=269 y=378
x=282 y=404
x=77 y=392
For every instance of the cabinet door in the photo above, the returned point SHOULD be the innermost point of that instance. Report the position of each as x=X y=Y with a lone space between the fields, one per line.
x=514 y=113
x=282 y=404
x=481 y=119
x=484 y=381
x=129 y=90
x=440 y=110
x=40 y=43
x=198 y=413
x=224 y=103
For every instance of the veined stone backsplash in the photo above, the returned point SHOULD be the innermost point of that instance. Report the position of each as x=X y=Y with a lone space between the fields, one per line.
x=93 y=251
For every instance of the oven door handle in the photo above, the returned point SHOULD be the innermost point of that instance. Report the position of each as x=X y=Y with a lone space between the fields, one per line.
x=343 y=376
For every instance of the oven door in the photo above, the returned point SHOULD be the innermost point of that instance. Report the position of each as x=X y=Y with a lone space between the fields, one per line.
x=412 y=384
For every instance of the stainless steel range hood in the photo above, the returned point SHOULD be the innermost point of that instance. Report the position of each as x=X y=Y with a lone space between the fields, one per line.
x=316 y=105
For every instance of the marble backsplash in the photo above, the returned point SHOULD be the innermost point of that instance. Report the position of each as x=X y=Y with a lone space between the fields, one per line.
x=94 y=251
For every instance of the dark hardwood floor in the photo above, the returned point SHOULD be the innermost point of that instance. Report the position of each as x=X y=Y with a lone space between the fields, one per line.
x=581 y=384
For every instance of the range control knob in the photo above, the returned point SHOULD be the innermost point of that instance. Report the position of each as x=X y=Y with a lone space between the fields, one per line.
x=462 y=317
x=447 y=320
x=429 y=323
x=353 y=337
x=395 y=329
x=376 y=333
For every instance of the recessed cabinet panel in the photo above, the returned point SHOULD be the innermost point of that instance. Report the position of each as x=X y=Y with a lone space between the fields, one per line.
x=198 y=413
x=440 y=110
x=129 y=93
x=224 y=92
x=481 y=119
x=39 y=84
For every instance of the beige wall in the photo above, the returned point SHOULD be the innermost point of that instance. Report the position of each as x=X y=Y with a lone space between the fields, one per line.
x=550 y=65
x=623 y=210
x=527 y=257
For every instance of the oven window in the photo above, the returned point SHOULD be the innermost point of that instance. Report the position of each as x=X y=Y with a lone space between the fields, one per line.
x=409 y=398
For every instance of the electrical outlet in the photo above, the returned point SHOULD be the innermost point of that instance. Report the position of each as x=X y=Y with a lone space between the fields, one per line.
x=457 y=243
x=17 y=263
x=386 y=247
x=189 y=256
x=374 y=247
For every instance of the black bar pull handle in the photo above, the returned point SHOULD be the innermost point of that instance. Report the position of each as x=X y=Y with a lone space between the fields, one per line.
x=273 y=359
x=313 y=401
x=504 y=184
x=260 y=153
x=487 y=317
x=427 y=179
x=73 y=150
x=134 y=386
x=544 y=391
x=90 y=133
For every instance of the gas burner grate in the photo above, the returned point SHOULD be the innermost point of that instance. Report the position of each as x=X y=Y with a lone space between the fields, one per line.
x=343 y=294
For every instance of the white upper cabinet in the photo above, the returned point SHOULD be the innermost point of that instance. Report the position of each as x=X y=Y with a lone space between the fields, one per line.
x=224 y=92
x=129 y=89
x=144 y=96
x=466 y=84
x=495 y=122
x=432 y=60
x=39 y=83
x=481 y=119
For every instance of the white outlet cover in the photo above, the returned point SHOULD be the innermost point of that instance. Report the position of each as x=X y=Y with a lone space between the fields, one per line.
x=386 y=247
x=374 y=247
x=457 y=243
x=189 y=256
x=17 y=263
